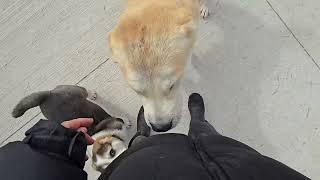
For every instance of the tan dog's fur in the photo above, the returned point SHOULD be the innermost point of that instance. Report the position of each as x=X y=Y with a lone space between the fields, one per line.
x=152 y=44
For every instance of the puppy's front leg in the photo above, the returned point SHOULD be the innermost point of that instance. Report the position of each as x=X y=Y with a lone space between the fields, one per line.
x=204 y=10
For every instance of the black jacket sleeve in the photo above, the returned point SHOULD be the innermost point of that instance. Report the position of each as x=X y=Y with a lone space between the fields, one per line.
x=49 y=152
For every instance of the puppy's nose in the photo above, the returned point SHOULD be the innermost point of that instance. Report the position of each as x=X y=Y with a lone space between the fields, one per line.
x=161 y=128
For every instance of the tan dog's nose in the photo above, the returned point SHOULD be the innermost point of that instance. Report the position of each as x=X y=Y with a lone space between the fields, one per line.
x=161 y=128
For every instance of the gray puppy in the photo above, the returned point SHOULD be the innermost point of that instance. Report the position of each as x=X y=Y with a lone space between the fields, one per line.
x=67 y=102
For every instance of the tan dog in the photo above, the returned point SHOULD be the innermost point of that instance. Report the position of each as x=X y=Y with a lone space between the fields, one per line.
x=152 y=44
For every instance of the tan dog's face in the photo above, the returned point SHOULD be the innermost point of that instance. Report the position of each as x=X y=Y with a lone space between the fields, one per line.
x=159 y=90
x=160 y=95
x=152 y=44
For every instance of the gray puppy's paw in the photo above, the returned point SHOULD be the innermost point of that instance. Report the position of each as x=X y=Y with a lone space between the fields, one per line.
x=92 y=95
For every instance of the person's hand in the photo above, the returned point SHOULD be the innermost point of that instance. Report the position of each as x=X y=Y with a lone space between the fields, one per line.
x=80 y=124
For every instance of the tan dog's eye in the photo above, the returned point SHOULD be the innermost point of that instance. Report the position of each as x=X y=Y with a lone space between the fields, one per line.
x=112 y=153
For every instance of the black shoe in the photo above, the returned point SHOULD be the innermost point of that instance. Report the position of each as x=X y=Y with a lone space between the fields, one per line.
x=196 y=106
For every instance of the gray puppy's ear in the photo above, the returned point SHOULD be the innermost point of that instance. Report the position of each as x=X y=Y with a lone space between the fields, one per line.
x=142 y=126
x=196 y=106
x=109 y=124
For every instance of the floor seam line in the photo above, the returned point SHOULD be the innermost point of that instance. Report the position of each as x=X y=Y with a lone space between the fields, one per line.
x=294 y=36
x=92 y=71
x=19 y=129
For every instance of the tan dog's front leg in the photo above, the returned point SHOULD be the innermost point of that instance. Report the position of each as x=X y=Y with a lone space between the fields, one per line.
x=204 y=10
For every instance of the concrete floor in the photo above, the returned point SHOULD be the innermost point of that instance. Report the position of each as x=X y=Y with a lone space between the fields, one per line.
x=256 y=63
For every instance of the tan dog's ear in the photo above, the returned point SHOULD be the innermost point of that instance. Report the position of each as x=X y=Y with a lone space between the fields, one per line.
x=110 y=45
x=188 y=29
x=109 y=41
x=186 y=34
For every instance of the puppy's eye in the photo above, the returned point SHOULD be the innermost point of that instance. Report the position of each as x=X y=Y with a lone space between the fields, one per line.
x=112 y=152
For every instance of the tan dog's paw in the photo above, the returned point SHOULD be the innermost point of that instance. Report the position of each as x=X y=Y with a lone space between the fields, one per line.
x=204 y=11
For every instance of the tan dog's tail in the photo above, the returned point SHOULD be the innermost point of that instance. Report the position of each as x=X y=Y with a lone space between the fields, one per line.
x=28 y=102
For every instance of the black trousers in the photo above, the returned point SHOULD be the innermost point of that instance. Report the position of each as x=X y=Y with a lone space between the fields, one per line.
x=199 y=128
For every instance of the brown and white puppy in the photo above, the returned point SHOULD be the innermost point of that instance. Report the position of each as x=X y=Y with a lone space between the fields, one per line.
x=152 y=43
x=107 y=146
x=67 y=102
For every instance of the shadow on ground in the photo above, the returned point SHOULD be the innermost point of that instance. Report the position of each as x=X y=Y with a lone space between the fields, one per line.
x=235 y=53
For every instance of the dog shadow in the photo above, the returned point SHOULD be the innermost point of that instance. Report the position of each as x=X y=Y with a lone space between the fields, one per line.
x=235 y=52
x=117 y=111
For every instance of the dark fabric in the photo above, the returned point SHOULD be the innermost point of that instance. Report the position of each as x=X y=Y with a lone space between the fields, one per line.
x=207 y=156
x=48 y=152
x=162 y=153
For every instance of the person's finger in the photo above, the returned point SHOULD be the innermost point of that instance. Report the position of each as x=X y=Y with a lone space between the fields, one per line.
x=77 y=123
x=88 y=138
x=196 y=106
x=83 y=129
